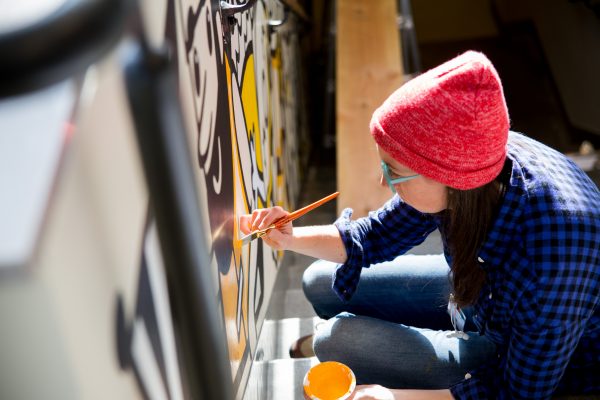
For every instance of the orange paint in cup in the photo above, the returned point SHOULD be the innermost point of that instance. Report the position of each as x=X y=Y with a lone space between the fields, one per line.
x=329 y=380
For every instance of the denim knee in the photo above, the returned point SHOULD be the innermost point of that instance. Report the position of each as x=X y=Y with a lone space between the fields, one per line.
x=317 y=280
x=334 y=337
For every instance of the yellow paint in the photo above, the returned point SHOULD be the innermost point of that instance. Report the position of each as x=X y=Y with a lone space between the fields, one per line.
x=270 y=139
x=250 y=105
x=234 y=288
x=278 y=181
x=230 y=285
x=276 y=60
x=229 y=289
x=237 y=244
x=329 y=380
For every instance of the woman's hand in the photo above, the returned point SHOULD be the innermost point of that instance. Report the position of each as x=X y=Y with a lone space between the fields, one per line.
x=376 y=392
x=323 y=241
x=278 y=239
x=372 y=392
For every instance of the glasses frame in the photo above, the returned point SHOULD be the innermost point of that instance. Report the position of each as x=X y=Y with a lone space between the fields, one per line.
x=391 y=182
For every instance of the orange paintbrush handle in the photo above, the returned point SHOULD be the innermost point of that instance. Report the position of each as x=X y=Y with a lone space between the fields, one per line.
x=298 y=213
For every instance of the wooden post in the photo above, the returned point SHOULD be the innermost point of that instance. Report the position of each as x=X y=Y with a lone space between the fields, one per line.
x=368 y=70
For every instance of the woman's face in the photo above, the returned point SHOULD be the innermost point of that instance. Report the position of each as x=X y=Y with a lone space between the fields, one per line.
x=421 y=193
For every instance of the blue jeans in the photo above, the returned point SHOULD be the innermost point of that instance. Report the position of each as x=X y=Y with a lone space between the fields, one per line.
x=394 y=331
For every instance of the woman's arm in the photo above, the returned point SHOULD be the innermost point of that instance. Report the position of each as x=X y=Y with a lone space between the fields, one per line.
x=322 y=241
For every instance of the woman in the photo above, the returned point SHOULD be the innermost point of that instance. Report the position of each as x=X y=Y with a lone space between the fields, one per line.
x=520 y=229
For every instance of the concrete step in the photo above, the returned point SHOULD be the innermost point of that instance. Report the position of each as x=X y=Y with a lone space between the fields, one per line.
x=290 y=303
x=274 y=375
x=278 y=335
x=278 y=379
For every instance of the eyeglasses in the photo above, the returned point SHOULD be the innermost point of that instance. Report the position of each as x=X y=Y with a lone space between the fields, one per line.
x=391 y=182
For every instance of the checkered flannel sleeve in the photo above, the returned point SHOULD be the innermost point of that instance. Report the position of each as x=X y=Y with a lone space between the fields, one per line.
x=381 y=236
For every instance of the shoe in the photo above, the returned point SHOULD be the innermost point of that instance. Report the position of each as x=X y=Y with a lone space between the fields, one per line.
x=303 y=347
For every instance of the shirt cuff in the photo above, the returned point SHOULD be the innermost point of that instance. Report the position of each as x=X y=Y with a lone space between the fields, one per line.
x=347 y=275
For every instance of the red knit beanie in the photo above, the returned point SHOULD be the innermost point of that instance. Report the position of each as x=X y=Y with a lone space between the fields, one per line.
x=449 y=124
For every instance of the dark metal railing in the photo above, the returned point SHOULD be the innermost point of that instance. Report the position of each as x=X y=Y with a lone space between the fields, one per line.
x=65 y=42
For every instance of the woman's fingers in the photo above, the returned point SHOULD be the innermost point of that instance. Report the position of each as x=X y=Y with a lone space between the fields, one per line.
x=246 y=223
x=261 y=218
x=372 y=392
x=276 y=239
x=257 y=216
x=275 y=214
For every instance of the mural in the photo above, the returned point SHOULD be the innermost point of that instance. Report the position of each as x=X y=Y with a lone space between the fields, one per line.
x=239 y=90
x=146 y=345
x=88 y=315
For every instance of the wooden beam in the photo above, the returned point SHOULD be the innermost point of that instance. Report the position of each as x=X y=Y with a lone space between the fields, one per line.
x=368 y=70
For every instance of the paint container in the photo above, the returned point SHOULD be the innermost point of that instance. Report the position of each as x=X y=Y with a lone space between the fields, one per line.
x=329 y=380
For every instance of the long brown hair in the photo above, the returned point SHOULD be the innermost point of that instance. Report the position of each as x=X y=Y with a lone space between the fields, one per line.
x=468 y=219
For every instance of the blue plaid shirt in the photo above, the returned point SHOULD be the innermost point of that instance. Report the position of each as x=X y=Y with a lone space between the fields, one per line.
x=540 y=305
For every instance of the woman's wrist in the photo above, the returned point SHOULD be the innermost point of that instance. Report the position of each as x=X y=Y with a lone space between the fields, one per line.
x=321 y=241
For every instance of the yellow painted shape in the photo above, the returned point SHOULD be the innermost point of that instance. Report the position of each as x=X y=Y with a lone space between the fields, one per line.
x=230 y=284
x=276 y=60
x=236 y=344
x=250 y=105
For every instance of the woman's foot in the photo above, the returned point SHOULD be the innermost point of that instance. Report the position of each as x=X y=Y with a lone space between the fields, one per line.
x=303 y=347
